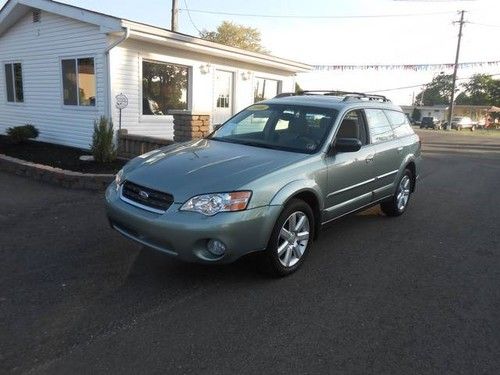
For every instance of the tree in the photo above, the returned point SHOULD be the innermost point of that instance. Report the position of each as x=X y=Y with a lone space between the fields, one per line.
x=438 y=91
x=234 y=35
x=481 y=89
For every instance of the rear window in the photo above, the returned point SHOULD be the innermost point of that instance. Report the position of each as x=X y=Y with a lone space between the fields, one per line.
x=400 y=124
x=379 y=126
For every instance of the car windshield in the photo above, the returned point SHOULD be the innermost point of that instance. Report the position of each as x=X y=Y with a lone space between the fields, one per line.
x=283 y=127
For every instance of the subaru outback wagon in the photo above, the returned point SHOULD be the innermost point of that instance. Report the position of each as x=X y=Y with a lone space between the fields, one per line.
x=268 y=179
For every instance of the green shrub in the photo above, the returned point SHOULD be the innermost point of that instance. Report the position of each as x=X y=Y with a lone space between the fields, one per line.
x=20 y=134
x=102 y=147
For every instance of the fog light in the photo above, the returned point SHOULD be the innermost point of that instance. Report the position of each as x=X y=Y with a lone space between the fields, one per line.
x=216 y=248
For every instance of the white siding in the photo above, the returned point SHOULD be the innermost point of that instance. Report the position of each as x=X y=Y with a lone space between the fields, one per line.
x=40 y=47
x=126 y=66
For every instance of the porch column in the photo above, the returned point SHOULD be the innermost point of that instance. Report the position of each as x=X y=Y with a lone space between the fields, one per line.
x=189 y=126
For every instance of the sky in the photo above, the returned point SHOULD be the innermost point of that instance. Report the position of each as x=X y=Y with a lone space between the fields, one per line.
x=419 y=39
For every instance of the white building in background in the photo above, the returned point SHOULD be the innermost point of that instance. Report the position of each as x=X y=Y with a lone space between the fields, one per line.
x=62 y=66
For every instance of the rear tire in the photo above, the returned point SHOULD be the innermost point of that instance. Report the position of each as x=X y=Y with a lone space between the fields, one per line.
x=290 y=239
x=398 y=203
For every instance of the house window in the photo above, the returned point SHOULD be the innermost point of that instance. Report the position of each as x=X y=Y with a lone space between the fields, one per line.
x=14 y=82
x=79 y=86
x=164 y=87
x=265 y=89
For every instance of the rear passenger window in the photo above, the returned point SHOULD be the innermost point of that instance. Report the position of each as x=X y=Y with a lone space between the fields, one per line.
x=399 y=123
x=379 y=126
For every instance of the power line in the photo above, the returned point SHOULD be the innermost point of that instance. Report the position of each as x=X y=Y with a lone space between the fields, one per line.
x=312 y=16
x=189 y=16
x=483 y=24
x=423 y=84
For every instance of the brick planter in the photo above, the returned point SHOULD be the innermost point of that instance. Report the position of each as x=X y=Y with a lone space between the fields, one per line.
x=188 y=126
x=55 y=176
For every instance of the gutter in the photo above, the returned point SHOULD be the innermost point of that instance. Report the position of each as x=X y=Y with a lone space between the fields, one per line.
x=125 y=36
x=195 y=45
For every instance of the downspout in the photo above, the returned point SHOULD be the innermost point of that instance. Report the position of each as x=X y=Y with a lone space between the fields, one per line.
x=126 y=35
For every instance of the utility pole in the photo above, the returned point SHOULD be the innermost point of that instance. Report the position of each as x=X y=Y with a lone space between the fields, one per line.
x=455 y=68
x=174 y=25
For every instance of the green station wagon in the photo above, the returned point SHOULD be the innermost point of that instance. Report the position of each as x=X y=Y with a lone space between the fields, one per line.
x=268 y=179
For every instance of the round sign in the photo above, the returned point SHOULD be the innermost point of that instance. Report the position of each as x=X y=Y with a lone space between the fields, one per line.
x=121 y=101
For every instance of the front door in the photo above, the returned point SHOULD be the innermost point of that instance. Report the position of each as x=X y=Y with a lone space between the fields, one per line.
x=223 y=96
x=350 y=174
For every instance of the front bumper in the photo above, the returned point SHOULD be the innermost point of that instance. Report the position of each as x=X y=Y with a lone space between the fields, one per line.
x=185 y=234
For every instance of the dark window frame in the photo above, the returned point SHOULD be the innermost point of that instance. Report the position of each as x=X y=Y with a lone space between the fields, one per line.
x=279 y=88
x=168 y=112
x=12 y=85
x=76 y=64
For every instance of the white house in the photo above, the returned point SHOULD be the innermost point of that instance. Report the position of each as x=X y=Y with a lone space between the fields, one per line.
x=63 y=66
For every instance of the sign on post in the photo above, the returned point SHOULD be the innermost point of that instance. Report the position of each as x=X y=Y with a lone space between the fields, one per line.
x=121 y=103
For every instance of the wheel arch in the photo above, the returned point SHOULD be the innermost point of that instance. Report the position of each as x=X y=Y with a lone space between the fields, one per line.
x=307 y=191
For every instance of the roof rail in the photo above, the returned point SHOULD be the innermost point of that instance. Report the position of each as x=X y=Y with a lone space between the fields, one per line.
x=347 y=95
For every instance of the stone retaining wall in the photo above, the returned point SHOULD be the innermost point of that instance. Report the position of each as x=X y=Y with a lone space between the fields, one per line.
x=55 y=176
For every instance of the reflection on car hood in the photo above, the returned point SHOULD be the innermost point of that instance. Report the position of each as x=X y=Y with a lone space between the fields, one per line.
x=205 y=166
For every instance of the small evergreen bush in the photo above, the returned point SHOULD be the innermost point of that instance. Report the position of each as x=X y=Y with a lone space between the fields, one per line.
x=103 y=148
x=20 y=134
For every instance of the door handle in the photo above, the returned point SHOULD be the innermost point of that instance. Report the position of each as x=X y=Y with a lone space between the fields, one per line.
x=400 y=148
x=369 y=158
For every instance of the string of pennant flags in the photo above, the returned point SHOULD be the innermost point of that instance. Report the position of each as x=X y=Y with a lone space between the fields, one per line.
x=413 y=67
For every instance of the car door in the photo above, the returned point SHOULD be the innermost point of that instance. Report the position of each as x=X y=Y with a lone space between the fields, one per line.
x=349 y=173
x=386 y=152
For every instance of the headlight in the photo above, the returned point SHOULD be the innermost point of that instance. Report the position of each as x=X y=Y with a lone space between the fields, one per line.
x=211 y=204
x=119 y=177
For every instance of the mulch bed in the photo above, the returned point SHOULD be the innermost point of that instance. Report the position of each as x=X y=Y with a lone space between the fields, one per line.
x=56 y=156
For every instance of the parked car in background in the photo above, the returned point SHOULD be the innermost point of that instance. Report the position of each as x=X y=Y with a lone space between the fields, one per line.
x=268 y=179
x=430 y=123
x=464 y=122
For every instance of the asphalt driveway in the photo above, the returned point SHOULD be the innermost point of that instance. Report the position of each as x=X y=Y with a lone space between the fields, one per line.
x=418 y=294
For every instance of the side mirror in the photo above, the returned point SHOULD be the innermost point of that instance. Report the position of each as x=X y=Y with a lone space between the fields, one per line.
x=216 y=126
x=346 y=145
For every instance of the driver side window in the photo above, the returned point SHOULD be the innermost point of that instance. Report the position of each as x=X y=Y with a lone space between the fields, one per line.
x=353 y=126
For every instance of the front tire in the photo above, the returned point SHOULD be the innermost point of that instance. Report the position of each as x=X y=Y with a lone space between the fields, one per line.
x=397 y=204
x=290 y=240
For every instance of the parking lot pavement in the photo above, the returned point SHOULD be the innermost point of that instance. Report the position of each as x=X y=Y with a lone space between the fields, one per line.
x=417 y=294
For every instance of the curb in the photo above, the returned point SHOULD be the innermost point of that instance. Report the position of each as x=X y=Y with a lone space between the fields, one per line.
x=55 y=176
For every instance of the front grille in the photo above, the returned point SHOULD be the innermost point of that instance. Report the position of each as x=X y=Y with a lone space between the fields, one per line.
x=146 y=196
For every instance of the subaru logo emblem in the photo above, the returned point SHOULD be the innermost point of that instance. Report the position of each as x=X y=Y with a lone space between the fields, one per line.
x=143 y=194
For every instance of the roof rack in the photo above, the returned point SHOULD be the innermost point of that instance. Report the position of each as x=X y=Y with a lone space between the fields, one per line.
x=348 y=95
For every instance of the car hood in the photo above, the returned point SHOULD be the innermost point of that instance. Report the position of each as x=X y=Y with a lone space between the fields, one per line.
x=205 y=166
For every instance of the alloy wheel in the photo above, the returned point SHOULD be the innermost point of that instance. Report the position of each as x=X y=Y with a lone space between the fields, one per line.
x=293 y=239
x=403 y=193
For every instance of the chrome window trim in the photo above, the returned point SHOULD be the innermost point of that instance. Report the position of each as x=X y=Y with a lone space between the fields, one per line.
x=142 y=206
